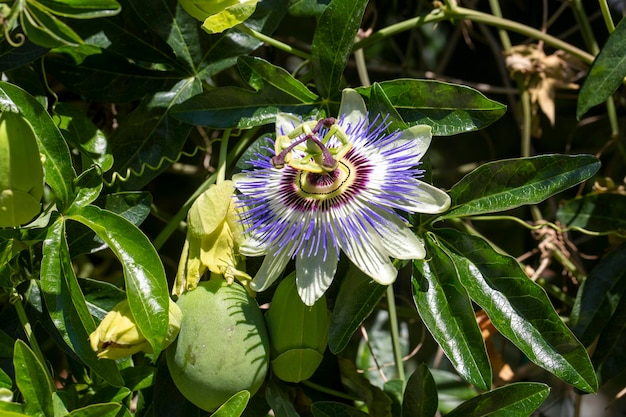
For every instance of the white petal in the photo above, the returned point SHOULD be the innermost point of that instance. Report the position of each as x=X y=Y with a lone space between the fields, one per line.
x=352 y=109
x=273 y=265
x=252 y=247
x=432 y=200
x=420 y=135
x=314 y=274
x=285 y=123
x=399 y=241
x=371 y=258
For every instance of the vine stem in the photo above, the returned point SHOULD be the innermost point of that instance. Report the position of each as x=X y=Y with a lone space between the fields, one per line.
x=274 y=42
x=453 y=12
x=395 y=334
x=16 y=299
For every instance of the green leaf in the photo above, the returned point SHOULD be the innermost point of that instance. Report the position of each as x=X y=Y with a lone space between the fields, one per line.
x=379 y=103
x=332 y=43
x=88 y=187
x=278 y=399
x=58 y=163
x=66 y=304
x=84 y=135
x=599 y=295
x=201 y=54
x=97 y=410
x=333 y=409
x=518 y=308
x=258 y=72
x=507 y=184
x=234 y=406
x=46 y=30
x=394 y=388
x=144 y=276
x=447 y=312
x=234 y=107
x=33 y=380
x=608 y=355
x=420 y=394
x=85 y=69
x=513 y=400
x=140 y=157
x=600 y=213
x=606 y=73
x=357 y=297
x=449 y=109
x=80 y=9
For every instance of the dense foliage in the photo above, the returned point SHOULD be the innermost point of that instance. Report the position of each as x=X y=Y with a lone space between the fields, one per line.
x=137 y=108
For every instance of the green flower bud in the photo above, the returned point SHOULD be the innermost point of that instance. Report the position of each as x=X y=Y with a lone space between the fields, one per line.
x=298 y=333
x=21 y=172
x=118 y=336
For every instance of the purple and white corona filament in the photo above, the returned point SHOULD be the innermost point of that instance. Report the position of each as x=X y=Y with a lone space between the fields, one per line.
x=336 y=186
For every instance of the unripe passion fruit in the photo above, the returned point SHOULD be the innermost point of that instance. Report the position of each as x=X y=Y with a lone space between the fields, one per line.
x=222 y=347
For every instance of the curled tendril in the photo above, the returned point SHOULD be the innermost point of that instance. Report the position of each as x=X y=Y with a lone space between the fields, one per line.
x=20 y=38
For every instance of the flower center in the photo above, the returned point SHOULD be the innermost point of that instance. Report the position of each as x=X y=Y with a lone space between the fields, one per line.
x=327 y=185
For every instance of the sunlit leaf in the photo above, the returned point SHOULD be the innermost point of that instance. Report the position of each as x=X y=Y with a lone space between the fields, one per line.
x=506 y=184
x=448 y=314
x=513 y=400
x=518 y=308
x=146 y=284
x=332 y=43
x=234 y=406
x=33 y=380
x=606 y=73
x=449 y=109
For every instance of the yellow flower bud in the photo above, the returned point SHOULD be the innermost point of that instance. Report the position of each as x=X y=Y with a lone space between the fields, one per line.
x=213 y=236
x=21 y=172
x=118 y=336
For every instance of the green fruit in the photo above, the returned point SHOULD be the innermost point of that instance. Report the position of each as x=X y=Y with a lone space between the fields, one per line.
x=222 y=347
x=21 y=172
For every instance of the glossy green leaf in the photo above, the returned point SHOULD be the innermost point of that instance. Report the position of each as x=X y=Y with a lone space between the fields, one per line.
x=234 y=406
x=149 y=139
x=513 y=400
x=379 y=103
x=333 y=409
x=332 y=44
x=518 y=308
x=608 y=355
x=97 y=410
x=87 y=68
x=506 y=184
x=45 y=29
x=88 y=186
x=278 y=399
x=447 y=312
x=133 y=206
x=84 y=135
x=599 y=295
x=144 y=276
x=201 y=54
x=606 y=73
x=58 y=167
x=357 y=297
x=234 y=107
x=33 y=380
x=307 y=8
x=80 y=9
x=100 y=296
x=449 y=109
x=66 y=305
x=258 y=72
x=420 y=394
x=600 y=213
